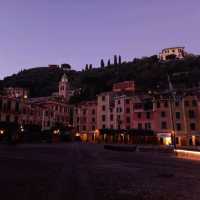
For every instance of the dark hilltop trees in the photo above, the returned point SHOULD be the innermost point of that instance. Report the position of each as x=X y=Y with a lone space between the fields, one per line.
x=148 y=73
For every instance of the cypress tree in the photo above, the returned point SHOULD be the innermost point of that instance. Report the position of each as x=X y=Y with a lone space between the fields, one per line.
x=120 y=60
x=115 y=60
x=108 y=63
x=86 y=67
x=102 y=63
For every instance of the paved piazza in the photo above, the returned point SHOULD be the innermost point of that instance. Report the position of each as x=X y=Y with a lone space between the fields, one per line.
x=88 y=172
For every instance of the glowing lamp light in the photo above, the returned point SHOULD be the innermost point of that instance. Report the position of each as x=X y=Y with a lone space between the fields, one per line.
x=22 y=128
x=56 y=132
x=1 y=132
x=77 y=134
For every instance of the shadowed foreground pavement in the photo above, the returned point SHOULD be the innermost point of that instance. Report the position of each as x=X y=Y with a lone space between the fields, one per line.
x=87 y=172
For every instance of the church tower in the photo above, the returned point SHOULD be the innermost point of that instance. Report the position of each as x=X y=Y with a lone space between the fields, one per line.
x=64 y=89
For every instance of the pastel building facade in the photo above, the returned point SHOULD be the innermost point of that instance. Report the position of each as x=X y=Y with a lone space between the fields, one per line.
x=172 y=120
x=16 y=92
x=172 y=53
x=105 y=110
x=45 y=112
x=85 y=120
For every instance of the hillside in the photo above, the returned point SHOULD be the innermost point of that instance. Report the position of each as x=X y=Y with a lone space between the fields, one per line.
x=147 y=72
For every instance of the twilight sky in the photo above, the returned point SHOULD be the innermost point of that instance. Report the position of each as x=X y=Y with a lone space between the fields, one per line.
x=41 y=32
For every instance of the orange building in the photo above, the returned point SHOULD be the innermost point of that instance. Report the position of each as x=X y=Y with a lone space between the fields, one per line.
x=126 y=86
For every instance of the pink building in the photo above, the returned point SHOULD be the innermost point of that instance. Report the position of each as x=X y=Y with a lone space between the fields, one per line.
x=43 y=111
x=85 y=119
x=181 y=118
x=143 y=113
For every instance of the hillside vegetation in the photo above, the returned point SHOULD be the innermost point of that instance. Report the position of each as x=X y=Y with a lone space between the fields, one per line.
x=148 y=73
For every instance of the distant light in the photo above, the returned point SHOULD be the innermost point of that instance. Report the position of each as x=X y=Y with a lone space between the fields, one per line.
x=1 y=132
x=187 y=151
x=56 y=132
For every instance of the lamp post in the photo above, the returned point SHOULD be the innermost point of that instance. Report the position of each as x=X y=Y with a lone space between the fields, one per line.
x=172 y=98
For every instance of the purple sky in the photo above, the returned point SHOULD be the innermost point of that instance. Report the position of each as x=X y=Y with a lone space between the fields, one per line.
x=41 y=32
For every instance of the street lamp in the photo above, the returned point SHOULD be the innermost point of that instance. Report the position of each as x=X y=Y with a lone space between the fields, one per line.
x=172 y=98
x=1 y=132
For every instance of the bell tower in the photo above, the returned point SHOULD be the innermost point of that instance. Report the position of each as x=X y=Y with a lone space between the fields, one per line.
x=64 y=87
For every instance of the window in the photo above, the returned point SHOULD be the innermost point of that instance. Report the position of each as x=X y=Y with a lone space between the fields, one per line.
x=194 y=103
x=16 y=119
x=138 y=106
x=166 y=104
x=178 y=115
x=103 y=108
x=127 y=127
x=56 y=108
x=103 y=118
x=139 y=126
x=119 y=109
x=127 y=101
x=1 y=103
x=139 y=115
x=191 y=114
x=77 y=119
x=111 y=126
x=7 y=118
x=176 y=103
x=147 y=125
x=84 y=112
x=103 y=98
x=9 y=106
x=93 y=111
x=186 y=103
x=111 y=117
x=118 y=102
x=93 y=128
x=178 y=126
x=163 y=125
x=84 y=128
x=46 y=113
x=193 y=126
x=103 y=126
x=127 y=110
x=128 y=120
x=163 y=114
x=93 y=119
x=17 y=107
x=84 y=119
x=158 y=104
x=148 y=115
x=177 y=140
